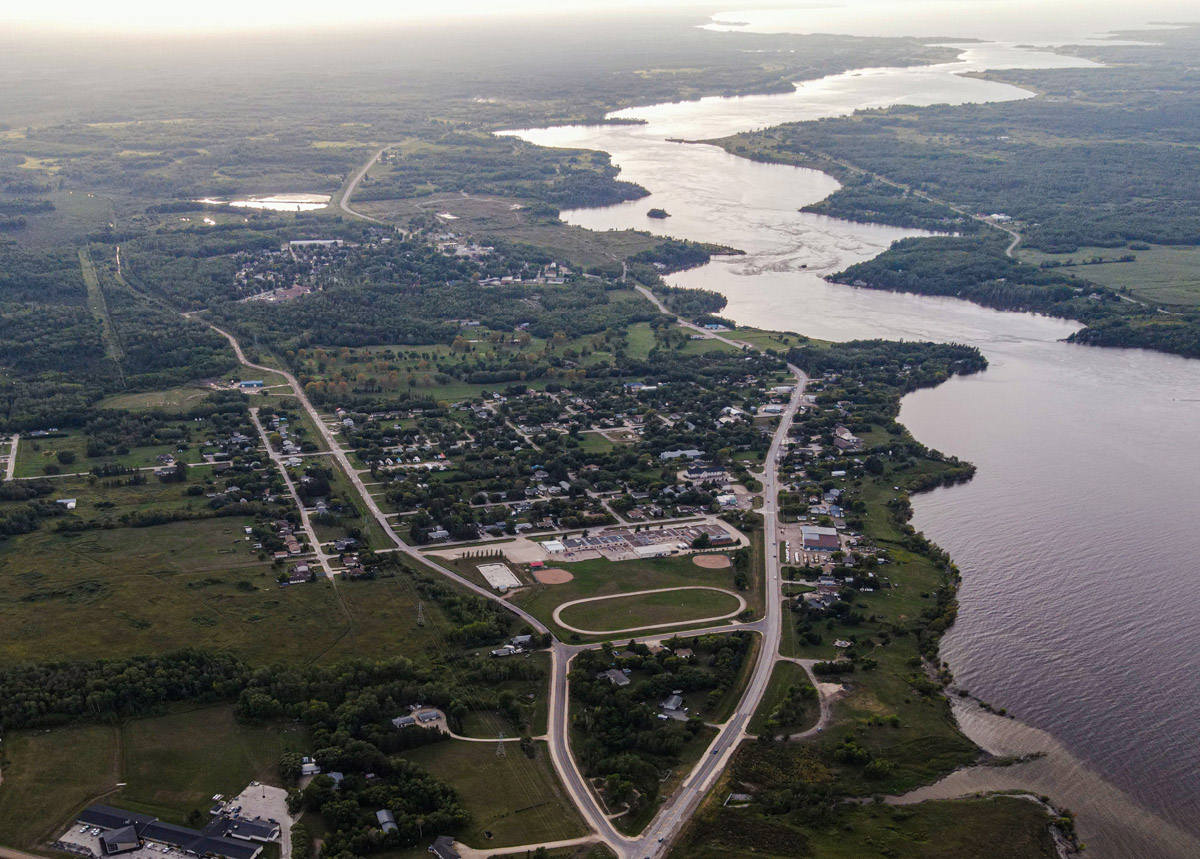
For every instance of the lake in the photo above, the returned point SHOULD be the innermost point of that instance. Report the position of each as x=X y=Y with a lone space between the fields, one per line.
x=1077 y=539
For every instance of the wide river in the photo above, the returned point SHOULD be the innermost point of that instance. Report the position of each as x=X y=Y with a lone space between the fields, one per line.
x=1078 y=539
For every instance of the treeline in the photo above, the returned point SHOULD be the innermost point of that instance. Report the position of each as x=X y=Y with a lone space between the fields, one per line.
x=481 y=163
x=621 y=742
x=58 y=693
x=974 y=268
x=865 y=198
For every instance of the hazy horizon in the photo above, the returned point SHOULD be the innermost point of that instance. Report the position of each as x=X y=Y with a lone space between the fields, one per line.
x=217 y=16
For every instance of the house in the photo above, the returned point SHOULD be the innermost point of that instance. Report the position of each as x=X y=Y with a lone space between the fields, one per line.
x=428 y=716
x=68 y=503
x=673 y=702
x=251 y=383
x=387 y=821
x=404 y=721
x=684 y=653
x=443 y=848
x=614 y=676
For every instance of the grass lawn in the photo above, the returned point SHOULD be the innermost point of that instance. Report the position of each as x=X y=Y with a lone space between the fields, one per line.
x=518 y=800
x=175 y=763
x=49 y=775
x=783 y=677
x=633 y=612
x=703 y=347
x=601 y=577
x=594 y=442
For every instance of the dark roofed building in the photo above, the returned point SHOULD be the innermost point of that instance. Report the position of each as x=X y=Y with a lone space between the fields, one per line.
x=251 y=830
x=107 y=817
x=125 y=830
x=120 y=840
x=443 y=848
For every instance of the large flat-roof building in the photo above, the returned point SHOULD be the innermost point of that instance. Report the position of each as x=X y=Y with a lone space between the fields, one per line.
x=228 y=837
x=820 y=539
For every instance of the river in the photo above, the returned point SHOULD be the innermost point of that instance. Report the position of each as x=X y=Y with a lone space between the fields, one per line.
x=1077 y=539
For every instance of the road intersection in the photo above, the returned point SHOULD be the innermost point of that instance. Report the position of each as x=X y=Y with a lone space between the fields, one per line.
x=657 y=838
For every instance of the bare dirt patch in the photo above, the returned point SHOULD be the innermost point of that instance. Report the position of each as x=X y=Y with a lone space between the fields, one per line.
x=554 y=576
x=712 y=562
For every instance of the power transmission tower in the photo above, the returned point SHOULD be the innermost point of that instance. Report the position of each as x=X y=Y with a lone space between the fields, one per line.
x=500 y=753
x=420 y=613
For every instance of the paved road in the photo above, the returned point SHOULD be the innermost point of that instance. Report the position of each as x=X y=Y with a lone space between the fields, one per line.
x=657 y=837
x=335 y=450
x=10 y=468
x=344 y=197
x=558 y=611
x=666 y=826
x=322 y=558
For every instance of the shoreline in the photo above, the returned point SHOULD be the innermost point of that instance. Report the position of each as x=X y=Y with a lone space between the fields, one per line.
x=1110 y=823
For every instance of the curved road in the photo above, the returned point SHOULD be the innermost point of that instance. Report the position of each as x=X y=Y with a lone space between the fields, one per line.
x=558 y=611
x=335 y=450
x=348 y=191
x=656 y=839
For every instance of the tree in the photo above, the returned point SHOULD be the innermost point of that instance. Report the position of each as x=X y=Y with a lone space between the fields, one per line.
x=289 y=767
x=66 y=457
x=874 y=465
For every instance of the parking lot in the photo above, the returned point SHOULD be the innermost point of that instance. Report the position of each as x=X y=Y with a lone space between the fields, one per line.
x=85 y=843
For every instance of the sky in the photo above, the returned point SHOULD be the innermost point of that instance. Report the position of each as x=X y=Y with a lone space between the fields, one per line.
x=226 y=15
x=856 y=17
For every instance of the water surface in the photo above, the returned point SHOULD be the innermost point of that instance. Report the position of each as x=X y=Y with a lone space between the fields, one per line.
x=1077 y=539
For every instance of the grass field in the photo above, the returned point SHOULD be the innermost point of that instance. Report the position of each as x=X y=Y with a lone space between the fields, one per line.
x=96 y=501
x=1162 y=275
x=603 y=578
x=49 y=775
x=518 y=800
x=999 y=827
x=170 y=400
x=633 y=612
x=489 y=724
x=147 y=590
x=175 y=763
x=783 y=677
x=33 y=454
x=171 y=765
x=927 y=743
